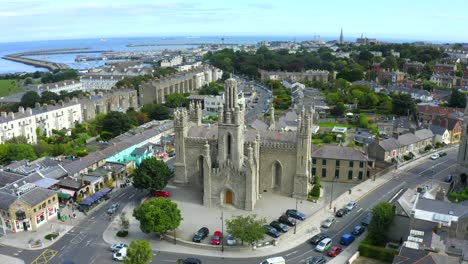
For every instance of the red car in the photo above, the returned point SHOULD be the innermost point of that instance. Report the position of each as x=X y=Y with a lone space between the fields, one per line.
x=161 y=194
x=217 y=237
x=334 y=251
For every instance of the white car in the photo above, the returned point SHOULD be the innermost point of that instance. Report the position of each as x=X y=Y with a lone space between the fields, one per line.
x=324 y=245
x=350 y=206
x=231 y=241
x=121 y=254
x=328 y=222
x=117 y=246
x=435 y=156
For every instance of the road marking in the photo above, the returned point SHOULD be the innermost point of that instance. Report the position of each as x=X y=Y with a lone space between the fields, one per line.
x=45 y=256
x=63 y=248
x=360 y=210
x=167 y=260
x=294 y=252
x=131 y=196
x=121 y=195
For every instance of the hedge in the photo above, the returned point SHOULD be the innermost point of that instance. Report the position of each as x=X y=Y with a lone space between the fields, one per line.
x=122 y=233
x=51 y=236
x=375 y=252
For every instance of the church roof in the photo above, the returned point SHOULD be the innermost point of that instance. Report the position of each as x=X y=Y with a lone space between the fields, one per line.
x=339 y=153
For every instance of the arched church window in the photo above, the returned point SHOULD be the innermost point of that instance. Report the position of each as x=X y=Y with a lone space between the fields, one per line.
x=229 y=145
x=277 y=173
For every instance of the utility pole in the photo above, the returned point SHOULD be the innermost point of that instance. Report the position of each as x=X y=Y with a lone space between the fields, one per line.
x=331 y=194
x=222 y=230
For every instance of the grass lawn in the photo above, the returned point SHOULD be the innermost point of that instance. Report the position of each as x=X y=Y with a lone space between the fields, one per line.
x=333 y=124
x=9 y=87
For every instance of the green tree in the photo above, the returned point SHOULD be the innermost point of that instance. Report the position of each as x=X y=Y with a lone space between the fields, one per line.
x=352 y=74
x=457 y=99
x=246 y=228
x=28 y=81
x=176 y=100
x=363 y=121
x=389 y=63
x=48 y=96
x=158 y=215
x=402 y=104
x=21 y=152
x=213 y=88
x=152 y=174
x=29 y=99
x=382 y=217
x=412 y=71
x=116 y=123
x=139 y=252
x=156 y=111
x=316 y=180
x=4 y=150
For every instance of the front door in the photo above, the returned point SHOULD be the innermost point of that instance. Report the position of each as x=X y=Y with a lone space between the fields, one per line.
x=228 y=197
x=25 y=227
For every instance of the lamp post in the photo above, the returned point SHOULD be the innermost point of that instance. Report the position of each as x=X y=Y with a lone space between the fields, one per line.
x=222 y=230
x=295 y=226
x=331 y=193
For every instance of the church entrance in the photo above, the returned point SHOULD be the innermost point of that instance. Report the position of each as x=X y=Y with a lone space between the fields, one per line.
x=228 y=197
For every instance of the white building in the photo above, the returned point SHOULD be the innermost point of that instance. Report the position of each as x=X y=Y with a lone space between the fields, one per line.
x=213 y=102
x=60 y=116
x=190 y=66
x=68 y=86
x=172 y=61
x=100 y=82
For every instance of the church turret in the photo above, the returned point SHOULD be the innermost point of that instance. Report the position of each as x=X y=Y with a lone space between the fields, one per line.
x=463 y=148
x=250 y=184
x=206 y=174
x=304 y=147
x=272 y=117
x=181 y=130
x=195 y=112
x=231 y=127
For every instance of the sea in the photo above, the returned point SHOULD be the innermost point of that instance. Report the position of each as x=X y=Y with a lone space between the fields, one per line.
x=116 y=44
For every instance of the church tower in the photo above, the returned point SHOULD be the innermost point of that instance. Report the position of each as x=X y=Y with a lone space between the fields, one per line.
x=181 y=131
x=463 y=149
x=303 y=160
x=272 y=117
x=231 y=127
x=341 y=37
x=195 y=112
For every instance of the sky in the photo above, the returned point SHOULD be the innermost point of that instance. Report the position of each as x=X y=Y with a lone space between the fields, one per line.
x=431 y=20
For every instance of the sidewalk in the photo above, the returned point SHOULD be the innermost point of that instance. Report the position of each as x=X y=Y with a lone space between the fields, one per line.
x=10 y=260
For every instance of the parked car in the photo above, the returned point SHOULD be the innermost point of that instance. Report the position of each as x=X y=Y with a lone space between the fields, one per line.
x=279 y=226
x=271 y=231
x=275 y=260
x=441 y=154
x=295 y=214
x=231 y=240
x=171 y=154
x=120 y=255
x=350 y=206
x=366 y=221
x=341 y=212
x=117 y=246
x=334 y=251
x=317 y=238
x=449 y=178
x=287 y=220
x=358 y=230
x=217 y=237
x=346 y=239
x=317 y=260
x=189 y=261
x=161 y=193
x=328 y=222
x=435 y=156
x=324 y=245
x=200 y=234
x=113 y=208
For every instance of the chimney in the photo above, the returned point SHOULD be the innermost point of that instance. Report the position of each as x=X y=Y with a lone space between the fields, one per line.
x=53 y=102
x=11 y=115
x=4 y=114
x=29 y=111
x=21 y=110
x=61 y=102
x=37 y=105
x=44 y=106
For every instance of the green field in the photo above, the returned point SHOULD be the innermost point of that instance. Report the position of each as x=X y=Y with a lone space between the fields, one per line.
x=332 y=124
x=9 y=87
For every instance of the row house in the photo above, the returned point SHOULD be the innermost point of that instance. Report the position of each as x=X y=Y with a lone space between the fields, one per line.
x=45 y=118
x=103 y=102
x=448 y=69
x=444 y=80
x=427 y=113
x=67 y=86
x=395 y=148
x=100 y=82
x=309 y=75
x=124 y=69
x=419 y=66
x=453 y=124
x=416 y=94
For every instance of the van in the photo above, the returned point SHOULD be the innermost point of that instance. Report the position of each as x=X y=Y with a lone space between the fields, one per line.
x=324 y=245
x=275 y=260
x=346 y=239
x=121 y=254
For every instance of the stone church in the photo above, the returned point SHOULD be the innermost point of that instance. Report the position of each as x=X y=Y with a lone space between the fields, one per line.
x=463 y=149
x=235 y=164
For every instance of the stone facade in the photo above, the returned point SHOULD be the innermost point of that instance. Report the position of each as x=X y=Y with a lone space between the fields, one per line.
x=310 y=75
x=463 y=149
x=234 y=164
x=103 y=102
x=180 y=82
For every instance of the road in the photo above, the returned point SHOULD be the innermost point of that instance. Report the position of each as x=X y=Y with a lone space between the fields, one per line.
x=257 y=110
x=84 y=244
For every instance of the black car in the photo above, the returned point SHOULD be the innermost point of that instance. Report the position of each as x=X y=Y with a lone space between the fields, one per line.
x=295 y=214
x=317 y=238
x=279 y=226
x=441 y=154
x=271 y=231
x=317 y=260
x=449 y=178
x=366 y=221
x=287 y=220
x=358 y=230
x=341 y=212
x=200 y=234
x=189 y=261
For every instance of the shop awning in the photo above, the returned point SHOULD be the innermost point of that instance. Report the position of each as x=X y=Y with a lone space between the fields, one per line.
x=63 y=195
x=70 y=192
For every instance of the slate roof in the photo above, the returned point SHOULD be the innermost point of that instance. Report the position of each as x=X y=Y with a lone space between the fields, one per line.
x=389 y=144
x=70 y=183
x=55 y=172
x=437 y=110
x=6 y=199
x=437 y=130
x=424 y=134
x=408 y=139
x=339 y=153
x=9 y=177
x=441 y=207
x=259 y=125
x=139 y=151
x=451 y=122
x=36 y=195
x=45 y=182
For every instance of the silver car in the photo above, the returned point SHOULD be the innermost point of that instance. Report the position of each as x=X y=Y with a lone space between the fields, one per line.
x=231 y=241
x=328 y=222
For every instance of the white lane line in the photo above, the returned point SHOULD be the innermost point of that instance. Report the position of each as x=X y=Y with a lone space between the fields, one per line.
x=167 y=260
x=131 y=196
x=121 y=195
x=360 y=210
x=294 y=252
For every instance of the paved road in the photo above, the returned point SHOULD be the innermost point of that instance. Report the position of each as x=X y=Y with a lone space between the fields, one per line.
x=84 y=244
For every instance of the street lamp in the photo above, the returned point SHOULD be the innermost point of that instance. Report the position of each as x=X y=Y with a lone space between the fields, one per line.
x=331 y=193
x=295 y=226
x=222 y=230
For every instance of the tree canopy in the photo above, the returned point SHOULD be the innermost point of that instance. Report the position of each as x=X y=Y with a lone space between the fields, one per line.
x=213 y=88
x=457 y=99
x=58 y=76
x=177 y=100
x=402 y=104
x=139 y=252
x=152 y=174
x=156 y=111
x=158 y=215
x=246 y=228
x=382 y=217
x=116 y=123
x=29 y=99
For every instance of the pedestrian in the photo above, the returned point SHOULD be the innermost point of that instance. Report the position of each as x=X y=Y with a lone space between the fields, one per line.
x=74 y=215
x=334 y=210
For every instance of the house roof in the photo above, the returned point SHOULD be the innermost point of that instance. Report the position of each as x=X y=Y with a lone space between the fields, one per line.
x=45 y=182
x=36 y=195
x=408 y=139
x=389 y=144
x=6 y=199
x=441 y=207
x=339 y=153
x=9 y=177
x=437 y=130
x=139 y=151
x=259 y=125
x=424 y=134
x=70 y=183
x=442 y=120
x=437 y=110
